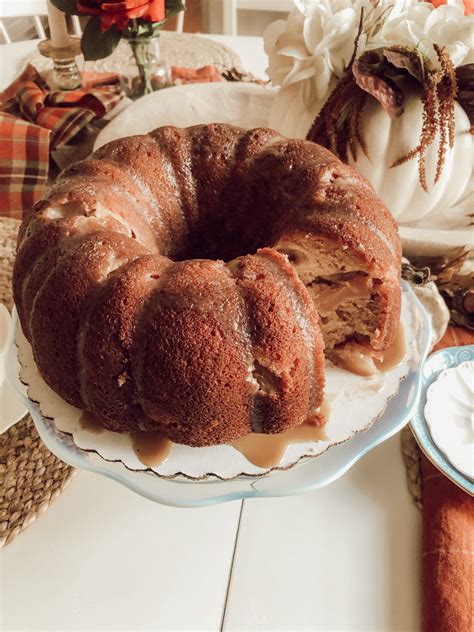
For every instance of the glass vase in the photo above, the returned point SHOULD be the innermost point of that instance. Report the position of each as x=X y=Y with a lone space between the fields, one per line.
x=144 y=71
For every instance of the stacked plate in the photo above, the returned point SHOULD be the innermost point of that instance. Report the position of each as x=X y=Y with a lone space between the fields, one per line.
x=444 y=420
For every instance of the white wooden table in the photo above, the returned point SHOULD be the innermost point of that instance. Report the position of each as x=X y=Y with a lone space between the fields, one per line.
x=343 y=558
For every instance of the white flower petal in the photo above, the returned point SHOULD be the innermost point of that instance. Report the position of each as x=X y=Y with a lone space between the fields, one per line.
x=305 y=6
x=458 y=52
x=295 y=22
x=340 y=26
x=293 y=50
x=322 y=82
x=441 y=14
x=299 y=72
x=272 y=33
x=289 y=41
x=313 y=32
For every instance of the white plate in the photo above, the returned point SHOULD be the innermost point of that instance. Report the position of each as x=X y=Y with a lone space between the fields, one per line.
x=243 y=104
x=12 y=408
x=436 y=364
x=449 y=413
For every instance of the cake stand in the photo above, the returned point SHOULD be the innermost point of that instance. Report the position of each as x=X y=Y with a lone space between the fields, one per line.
x=306 y=476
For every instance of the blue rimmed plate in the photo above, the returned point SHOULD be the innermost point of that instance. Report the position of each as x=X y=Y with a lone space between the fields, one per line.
x=436 y=364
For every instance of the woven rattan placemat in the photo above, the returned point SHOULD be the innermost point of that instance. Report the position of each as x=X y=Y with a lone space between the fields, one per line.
x=31 y=477
x=412 y=458
x=177 y=49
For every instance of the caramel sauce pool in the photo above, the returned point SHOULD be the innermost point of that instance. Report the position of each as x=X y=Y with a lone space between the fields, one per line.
x=363 y=364
x=394 y=355
x=89 y=422
x=151 y=448
x=267 y=450
x=263 y=450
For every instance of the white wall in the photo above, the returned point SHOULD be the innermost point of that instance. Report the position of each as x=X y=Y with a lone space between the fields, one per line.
x=248 y=22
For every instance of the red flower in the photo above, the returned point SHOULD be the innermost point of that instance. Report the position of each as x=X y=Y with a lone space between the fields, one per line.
x=119 y=12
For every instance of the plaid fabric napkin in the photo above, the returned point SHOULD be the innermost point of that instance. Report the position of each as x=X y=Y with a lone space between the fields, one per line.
x=24 y=162
x=34 y=121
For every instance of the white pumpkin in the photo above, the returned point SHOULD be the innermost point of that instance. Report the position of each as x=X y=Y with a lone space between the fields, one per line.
x=445 y=205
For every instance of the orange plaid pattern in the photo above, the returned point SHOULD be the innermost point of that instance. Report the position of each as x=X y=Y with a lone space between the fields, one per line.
x=34 y=120
x=24 y=162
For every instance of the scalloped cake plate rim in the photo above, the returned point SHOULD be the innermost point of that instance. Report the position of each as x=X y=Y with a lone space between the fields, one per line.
x=367 y=400
x=310 y=473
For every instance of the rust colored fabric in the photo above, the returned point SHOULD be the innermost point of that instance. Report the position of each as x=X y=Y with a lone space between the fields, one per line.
x=24 y=162
x=63 y=113
x=455 y=337
x=448 y=539
x=206 y=74
x=35 y=120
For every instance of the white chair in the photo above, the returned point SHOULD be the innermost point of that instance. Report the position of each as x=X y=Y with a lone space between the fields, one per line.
x=35 y=9
x=230 y=8
x=180 y=20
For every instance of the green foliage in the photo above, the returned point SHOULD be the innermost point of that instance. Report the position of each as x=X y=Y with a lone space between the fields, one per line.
x=97 y=44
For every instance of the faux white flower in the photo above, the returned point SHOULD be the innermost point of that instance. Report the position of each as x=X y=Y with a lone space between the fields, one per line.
x=421 y=24
x=314 y=45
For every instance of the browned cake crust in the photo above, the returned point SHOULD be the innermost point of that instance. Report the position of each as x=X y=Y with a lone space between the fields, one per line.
x=132 y=314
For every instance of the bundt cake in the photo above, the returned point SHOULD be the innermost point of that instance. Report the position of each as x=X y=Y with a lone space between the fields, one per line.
x=132 y=314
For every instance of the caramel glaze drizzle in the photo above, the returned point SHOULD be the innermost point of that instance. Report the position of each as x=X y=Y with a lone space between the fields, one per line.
x=264 y=450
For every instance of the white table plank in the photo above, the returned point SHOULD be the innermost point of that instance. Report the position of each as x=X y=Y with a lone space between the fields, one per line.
x=343 y=558
x=103 y=558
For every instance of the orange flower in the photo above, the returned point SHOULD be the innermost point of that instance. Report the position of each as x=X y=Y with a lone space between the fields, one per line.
x=119 y=12
x=468 y=5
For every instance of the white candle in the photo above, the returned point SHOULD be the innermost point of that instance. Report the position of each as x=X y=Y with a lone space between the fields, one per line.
x=57 y=27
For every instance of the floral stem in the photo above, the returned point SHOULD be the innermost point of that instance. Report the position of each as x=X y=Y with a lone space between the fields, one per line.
x=356 y=42
x=140 y=54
